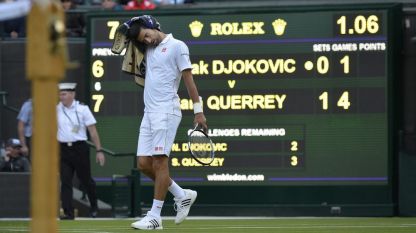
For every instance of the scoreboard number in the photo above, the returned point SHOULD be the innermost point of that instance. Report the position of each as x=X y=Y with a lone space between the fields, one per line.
x=113 y=27
x=294 y=146
x=294 y=160
x=98 y=100
x=98 y=68
x=324 y=98
x=322 y=65
x=342 y=102
x=346 y=62
x=360 y=24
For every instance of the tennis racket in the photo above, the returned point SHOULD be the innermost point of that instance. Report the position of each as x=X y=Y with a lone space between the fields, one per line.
x=201 y=146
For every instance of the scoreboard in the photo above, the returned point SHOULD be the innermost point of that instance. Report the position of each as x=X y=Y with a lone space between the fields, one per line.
x=293 y=97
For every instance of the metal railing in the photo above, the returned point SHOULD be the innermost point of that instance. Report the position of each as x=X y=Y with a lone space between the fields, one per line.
x=110 y=152
x=4 y=95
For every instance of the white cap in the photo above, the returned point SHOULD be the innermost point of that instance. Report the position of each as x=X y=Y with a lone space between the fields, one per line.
x=13 y=142
x=67 y=86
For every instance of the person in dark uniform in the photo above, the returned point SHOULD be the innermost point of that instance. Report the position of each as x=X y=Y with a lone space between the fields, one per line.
x=74 y=119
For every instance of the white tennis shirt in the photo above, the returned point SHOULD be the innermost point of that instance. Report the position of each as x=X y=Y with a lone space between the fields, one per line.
x=164 y=64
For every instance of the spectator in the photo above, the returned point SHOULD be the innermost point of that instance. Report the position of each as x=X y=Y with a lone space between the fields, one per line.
x=24 y=126
x=13 y=28
x=75 y=22
x=14 y=161
x=111 y=5
x=169 y=2
x=140 y=5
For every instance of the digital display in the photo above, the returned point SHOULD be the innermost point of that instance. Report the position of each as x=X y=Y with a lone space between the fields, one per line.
x=295 y=97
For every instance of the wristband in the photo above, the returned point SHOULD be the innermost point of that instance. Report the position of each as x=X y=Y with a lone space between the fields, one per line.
x=97 y=151
x=198 y=106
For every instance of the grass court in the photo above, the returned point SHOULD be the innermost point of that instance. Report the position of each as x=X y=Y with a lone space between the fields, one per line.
x=233 y=225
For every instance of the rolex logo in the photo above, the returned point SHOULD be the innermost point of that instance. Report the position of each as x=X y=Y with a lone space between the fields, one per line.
x=196 y=28
x=279 y=26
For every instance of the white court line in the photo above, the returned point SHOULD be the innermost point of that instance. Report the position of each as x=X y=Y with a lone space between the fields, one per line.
x=215 y=218
x=251 y=227
x=202 y=218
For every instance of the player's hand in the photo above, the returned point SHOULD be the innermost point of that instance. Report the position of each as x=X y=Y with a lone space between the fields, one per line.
x=100 y=158
x=201 y=121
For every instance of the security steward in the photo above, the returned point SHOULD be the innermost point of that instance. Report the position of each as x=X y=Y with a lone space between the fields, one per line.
x=74 y=119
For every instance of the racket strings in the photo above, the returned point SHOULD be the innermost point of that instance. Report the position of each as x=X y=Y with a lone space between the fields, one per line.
x=200 y=145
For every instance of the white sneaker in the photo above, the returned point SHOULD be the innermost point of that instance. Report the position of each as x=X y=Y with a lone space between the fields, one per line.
x=183 y=205
x=148 y=222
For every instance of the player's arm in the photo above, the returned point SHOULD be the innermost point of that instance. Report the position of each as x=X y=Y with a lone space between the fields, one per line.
x=193 y=93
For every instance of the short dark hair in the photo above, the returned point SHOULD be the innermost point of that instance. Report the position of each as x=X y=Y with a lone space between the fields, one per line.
x=133 y=32
x=135 y=29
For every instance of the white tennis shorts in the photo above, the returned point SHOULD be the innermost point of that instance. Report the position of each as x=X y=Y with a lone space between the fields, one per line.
x=157 y=133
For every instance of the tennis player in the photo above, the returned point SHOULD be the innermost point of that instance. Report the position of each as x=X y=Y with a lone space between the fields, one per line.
x=167 y=60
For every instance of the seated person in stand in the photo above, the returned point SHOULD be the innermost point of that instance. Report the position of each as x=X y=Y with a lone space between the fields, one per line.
x=15 y=161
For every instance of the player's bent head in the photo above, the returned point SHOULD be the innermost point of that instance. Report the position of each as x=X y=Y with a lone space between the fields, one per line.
x=142 y=22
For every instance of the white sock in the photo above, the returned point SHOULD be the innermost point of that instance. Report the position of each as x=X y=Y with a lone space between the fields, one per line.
x=156 y=208
x=176 y=190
